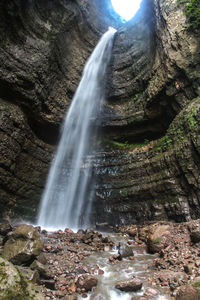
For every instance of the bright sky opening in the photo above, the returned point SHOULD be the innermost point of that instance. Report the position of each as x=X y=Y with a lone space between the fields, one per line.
x=126 y=8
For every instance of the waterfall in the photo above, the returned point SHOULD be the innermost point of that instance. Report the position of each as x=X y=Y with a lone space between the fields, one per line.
x=67 y=197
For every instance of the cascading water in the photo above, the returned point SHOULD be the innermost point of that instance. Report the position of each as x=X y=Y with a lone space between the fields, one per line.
x=66 y=201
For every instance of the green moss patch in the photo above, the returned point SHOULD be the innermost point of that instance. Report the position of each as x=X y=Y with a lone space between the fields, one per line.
x=114 y=144
x=192 y=11
x=158 y=240
x=196 y=284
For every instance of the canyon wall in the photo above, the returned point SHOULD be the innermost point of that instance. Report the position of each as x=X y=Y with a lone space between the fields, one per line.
x=147 y=166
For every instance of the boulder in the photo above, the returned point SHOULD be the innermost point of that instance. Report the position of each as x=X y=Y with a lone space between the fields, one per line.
x=86 y=282
x=40 y=268
x=188 y=293
x=14 y=285
x=131 y=230
x=150 y=292
x=29 y=274
x=124 y=250
x=5 y=228
x=170 y=276
x=42 y=259
x=196 y=282
x=23 y=246
x=195 y=236
x=157 y=237
x=130 y=285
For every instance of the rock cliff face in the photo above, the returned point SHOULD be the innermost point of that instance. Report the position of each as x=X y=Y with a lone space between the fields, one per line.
x=147 y=166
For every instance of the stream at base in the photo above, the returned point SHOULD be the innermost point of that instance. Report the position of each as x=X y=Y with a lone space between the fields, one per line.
x=139 y=266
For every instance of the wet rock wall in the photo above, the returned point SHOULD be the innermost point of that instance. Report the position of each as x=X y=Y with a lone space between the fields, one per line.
x=151 y=109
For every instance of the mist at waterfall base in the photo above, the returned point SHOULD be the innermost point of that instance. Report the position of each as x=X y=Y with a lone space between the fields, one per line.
x=69 y=190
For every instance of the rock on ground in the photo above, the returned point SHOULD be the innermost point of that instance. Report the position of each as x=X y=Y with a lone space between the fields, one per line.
x=86 y=282
x=23 y=245
x=14 y=285
x=131 y=285
x=188 y=293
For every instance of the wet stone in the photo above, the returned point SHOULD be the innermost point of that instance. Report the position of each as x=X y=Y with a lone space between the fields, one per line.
x=125 y=250
x=131 y=285
x=150 y=292
x=96 y=297
x=86 y=282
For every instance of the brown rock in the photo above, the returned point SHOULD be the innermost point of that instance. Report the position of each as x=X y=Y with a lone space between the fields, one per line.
x=188 y=293
x=157 y=237
x=167 y=276
x=150 y=292
x=189 y=268
x=131 y=285
x=86 y=282
x=195 y=236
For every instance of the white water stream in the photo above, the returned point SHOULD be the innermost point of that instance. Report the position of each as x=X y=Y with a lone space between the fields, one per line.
x=66 y=201
x=140 y=267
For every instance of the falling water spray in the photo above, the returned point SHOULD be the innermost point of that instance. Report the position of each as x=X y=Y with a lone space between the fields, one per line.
x=67 y=197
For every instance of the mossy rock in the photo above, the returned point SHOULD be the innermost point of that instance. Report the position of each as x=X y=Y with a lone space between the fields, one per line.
x=196 y=284
x=23 y=246
x=14 y=285
x=158 y=240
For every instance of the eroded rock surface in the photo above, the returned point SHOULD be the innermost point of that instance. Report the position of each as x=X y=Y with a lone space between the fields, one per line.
x=23 y=246
x=152 y=106
x=14 y=285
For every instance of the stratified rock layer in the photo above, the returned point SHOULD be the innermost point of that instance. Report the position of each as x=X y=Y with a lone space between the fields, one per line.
x=43 y=49
x=152 y=100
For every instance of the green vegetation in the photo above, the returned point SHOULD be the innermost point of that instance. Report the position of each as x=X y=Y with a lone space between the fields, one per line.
x=131 y=120
x=196 y=284
x=192 y=11
x=158 y=240
x=135 y=99
x=114 y=144
x=191 y=119
x=180 y=134
x=163 y=143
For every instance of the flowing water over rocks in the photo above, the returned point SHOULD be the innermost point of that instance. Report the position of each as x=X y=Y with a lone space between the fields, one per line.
x=95 y=266
x=68 y=194
x=128 y=277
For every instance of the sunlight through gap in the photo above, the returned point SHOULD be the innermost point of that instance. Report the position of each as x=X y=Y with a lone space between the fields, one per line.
x=126 y=8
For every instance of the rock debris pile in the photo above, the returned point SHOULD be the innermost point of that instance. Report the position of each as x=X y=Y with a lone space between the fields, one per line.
x=36 y=264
